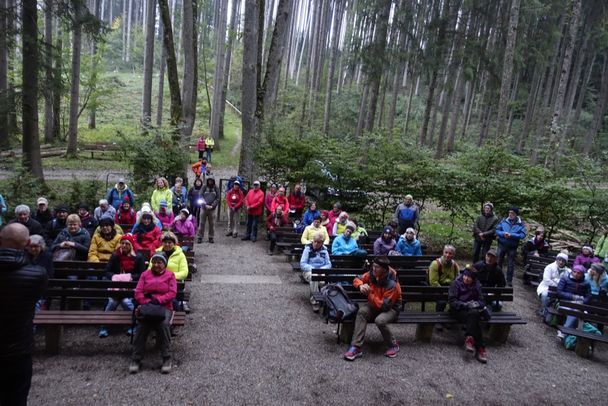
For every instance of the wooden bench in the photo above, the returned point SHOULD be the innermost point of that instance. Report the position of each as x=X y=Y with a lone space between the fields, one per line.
x=66 y=290
x=535 y=267
x=85 y=268
x=354 y=261
x=596 y=313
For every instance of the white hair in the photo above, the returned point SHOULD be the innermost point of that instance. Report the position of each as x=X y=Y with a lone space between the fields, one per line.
x=37 y=240
x=22 y=208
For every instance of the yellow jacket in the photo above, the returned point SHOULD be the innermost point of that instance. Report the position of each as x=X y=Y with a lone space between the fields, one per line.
x=161 y=194
x=101 y=249
x=310 y=231
x=178 y=264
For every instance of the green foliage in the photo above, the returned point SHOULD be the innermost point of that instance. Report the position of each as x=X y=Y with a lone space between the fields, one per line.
x=83 y=191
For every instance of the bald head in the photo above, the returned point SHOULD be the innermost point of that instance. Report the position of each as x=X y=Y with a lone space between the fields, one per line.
x=15 y=236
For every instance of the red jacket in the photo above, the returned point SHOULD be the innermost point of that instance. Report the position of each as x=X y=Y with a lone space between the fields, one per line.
x=125 y=217
x=254 y=201
x=271 y=224
x=200 y=146
x=234 y=198
x=280 y=200
x=162 y=288
x=332 y=217
x=296 y=202
x=384 y=294
x=149 y=241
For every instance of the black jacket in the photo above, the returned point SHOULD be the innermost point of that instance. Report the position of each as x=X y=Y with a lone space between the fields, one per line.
x=490 y=277
x=33 y=226
x=21 y=285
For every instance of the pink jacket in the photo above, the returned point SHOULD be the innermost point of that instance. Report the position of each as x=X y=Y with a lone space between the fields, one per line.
x=200 y=146
x=185 y=227
x=162 y=288
x=166 y=219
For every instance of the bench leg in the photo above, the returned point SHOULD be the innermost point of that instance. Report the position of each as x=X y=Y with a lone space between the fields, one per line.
x=424 y=332
x=499 y=333
x=583 y=347
x=345 y=332
x=52 y=338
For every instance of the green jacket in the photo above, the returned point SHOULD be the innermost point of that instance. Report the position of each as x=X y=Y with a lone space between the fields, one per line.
x=602 y=247
x=161 y=194
x=442 y=275
x=177 y=263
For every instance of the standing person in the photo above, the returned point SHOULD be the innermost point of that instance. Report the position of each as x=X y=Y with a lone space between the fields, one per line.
x=234 y=201
x=180 y=196
x=211 y=197
x=209 y=144
x=270 y=194
x=406 y=214
x=273 y=221
x=385 y=243
x=195 y=201
x=200 y=168
x=467 y=306
x=315 y=256
x=254 y=204
x=21 y=285
x=484 y=231
x=201 y=146
x=22 y=214
x=157 y=286
x=43 y=213
x=161 y=192
x=602 y=247
x=297 y=201
x=442 y=272
x=408 y=244
x=510 y=231
x=120 y=191
x=89 y=222
x=3 y=208
x=384 y=301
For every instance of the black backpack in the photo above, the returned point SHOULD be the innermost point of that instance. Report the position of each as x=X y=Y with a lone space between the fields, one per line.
x=337 y=306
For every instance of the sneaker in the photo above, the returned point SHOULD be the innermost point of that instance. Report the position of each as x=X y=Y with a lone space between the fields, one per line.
x=199 y=240
x=353 y=353
x=246 y=238
x=560 y=335
x=316 y=307
x=270 y=252
x=103 y=332
x=392 y=351
x=480 y=355
x=253 y=239
x=469 y=344
x=134 y=367
x=166 y=368
x=130 y=331
x=186 y=307
x=210 y=240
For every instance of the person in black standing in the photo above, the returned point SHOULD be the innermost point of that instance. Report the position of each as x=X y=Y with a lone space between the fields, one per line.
x=21 y=285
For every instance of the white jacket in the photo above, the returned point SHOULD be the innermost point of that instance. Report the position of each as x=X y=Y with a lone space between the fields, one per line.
x=551 y=277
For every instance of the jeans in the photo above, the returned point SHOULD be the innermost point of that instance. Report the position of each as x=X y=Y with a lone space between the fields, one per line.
x=208 y=151
x=163 y=337
x=470 y=318
x=480 y=248
x=367 y=314
x=233 y=220
x=510 y=253
x=252 y=226
x=273 y=240
x=126 y=303
x=15 y=380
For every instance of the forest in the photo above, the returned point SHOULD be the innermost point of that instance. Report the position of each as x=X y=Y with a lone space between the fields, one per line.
x=457 y=101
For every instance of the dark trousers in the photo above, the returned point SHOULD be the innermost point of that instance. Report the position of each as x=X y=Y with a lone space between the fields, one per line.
x=163 y=337
x=273 y=240
x=480 y=248
x=15 y=380
x=470 y=318
x=252 y=226
x=510 y=253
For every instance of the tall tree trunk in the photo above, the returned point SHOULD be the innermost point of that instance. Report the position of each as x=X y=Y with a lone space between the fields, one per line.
x=408 y=109
x=236 y=7
x=75 y=81
x=57 y=81
x=48 y=69
x=600 y=109
x=336 y=26
x=582 y=92
x=190 y=84
x=455 y=111
x=93 y=98
x=530 y=106
x=220 y=53
x=249 y=90
x=507 y=70
x=146 y=113
x=129 y=30
x=31 y=143
x=172 y=74
x=161 y=78
x=4 y=130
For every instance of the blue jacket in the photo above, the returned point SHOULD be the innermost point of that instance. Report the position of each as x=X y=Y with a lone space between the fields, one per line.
x=409 y=249
x=2 y=209
x=309 y=216
x=568 y=286
x=342 y=246
x=314 y=259
x=595 y=288
x=116 y=197
x=517 y=230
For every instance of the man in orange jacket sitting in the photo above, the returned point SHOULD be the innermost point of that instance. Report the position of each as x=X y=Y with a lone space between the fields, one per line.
x=384 y=302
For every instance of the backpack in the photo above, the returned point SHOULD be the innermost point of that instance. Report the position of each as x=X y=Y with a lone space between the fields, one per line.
x=337 y=306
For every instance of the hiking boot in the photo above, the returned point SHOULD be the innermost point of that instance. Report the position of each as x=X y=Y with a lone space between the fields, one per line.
x=469 y=344
x=134 y=367
x=270 y=252
x=392 y=351
x=253 y=239
x=316 y=307
x=229 y=233
x=210 y=240
x=103 y=332
x=199 y=240
x=166 y=368
x=480 y=355
x=234 y=235
x=353 y=353
x=246 y=238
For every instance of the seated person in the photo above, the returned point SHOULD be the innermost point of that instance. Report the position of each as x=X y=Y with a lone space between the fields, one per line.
x=124 y=265
x=598 y=280
x=58 y=223
x=176 y=260
x=313 y=229
x=408 y=244
x=39 y=255
x=586 y=257
x=536 y=246
x=310 y=214
x=315 y=256
x=344 y=244
x=165 y=215
x=89 y=222
x=442 y=272
x=490 y=275
x=125 y=215
x=103 y=208
x=551 y=277
x=573 y=287
x=73 y=237
x=325 y=222
x=146 y=208
x=22 y=216
x=340 y=224
x=385 y=243
x=184 y=224
x=180 y=196
x=274 y=221
x=360 y=233
x=384 y=301
x=103 y=243
x=467 y=306
x=147 y=234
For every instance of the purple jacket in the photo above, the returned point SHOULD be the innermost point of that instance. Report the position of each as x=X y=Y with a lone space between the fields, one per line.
x=383 y=247
x=185 y=227
x=585 y=261
x=460 y=293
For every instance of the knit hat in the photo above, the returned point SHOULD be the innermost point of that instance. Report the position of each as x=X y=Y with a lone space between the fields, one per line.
x=159 y=255
x=316 y=216
x=163 y=203
x=130 y=238
x=126 y=200
x=146 y=209
x=106 y=220
x=587 y=247
x=488 y=204
x=62 y=207
x=325 y=213
x=563 y=256
x=351 y=226
x=409 y=197
x=514 y=210
x=169 y=236
x=42 y=200
x=84 y=206
x=599 y=268
x=578 y=268
x=382 y=261
x=184 y=210
x=410 y=230
x=388 y=230
x=470 y=271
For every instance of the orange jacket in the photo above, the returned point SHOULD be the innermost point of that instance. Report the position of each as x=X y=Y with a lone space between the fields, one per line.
x=384 y=294
x=197 y=169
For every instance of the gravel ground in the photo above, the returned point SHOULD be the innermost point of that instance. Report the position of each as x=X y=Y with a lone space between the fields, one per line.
x=257 y=344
